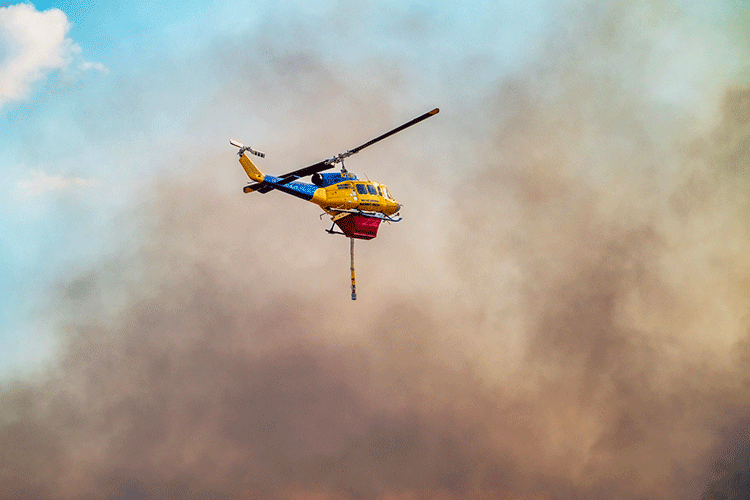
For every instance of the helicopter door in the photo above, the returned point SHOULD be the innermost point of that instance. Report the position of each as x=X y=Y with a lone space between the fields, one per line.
x=381 y=197
x=375 y=199
x=366 y=200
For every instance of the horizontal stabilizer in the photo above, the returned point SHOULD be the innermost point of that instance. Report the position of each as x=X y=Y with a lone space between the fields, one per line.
x=257 y=187
x=266 y=187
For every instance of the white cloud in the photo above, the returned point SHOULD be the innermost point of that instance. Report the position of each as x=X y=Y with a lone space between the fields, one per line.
x=32 y=43
x=41 y=183
x=87 y=65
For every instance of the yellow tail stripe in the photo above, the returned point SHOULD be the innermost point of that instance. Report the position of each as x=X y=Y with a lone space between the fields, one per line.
x=250 y=169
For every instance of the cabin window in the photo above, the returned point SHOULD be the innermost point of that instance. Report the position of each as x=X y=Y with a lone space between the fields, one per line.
x=371 y=189
x=361 y=189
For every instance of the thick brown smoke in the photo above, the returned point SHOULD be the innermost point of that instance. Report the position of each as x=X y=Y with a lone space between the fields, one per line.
x=579 y=328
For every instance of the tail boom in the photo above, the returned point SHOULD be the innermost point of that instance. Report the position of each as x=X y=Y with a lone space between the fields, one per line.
x=286 y=184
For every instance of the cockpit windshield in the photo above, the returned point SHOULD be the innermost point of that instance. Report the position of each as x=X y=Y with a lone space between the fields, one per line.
x=387 y=193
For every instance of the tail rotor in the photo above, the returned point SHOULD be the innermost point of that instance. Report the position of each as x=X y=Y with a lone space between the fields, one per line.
x=244 y=148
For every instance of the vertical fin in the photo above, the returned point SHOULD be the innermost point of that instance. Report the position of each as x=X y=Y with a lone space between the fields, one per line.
x=250 y=168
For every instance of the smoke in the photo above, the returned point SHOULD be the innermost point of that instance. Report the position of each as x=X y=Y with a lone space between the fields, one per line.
x=576 y=328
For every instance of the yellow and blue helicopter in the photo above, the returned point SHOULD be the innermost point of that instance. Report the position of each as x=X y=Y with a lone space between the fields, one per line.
x=357 y=207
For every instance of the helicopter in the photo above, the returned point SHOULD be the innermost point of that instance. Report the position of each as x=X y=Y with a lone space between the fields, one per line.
x=357 y=207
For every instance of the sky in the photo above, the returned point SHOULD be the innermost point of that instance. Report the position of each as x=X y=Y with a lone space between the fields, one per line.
x=563 y=313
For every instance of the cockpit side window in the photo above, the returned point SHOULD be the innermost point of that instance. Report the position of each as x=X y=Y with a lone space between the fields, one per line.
x=361 y=189
x=380 y=191
x=371 y=189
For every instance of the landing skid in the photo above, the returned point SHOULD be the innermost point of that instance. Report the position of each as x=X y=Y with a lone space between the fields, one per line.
x=331 y=231
x=374 y=215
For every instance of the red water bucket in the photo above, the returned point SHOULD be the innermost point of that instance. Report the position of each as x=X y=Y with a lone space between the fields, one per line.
x=359 y=226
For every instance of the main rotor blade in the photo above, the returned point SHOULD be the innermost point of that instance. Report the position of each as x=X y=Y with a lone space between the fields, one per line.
x=395 y=130
x=312 y=169
x=326 y=164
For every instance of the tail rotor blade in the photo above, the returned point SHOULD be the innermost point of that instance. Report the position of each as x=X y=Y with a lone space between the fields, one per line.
x=244 y=148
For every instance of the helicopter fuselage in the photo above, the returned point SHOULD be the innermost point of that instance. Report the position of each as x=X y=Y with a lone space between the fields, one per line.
x=353 y=194
x=333 y=192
